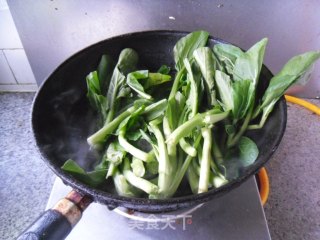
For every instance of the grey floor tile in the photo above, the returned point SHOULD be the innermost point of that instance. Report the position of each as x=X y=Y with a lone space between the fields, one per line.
x=25 y=179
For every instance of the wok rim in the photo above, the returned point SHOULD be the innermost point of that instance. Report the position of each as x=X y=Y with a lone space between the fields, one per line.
x=112 y=200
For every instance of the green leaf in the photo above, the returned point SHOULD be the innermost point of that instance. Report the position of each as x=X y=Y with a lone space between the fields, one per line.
x=155 y=79
x=186 y=45
x=175 y=109
x=292 y=71
x=186 y=113
x=227 y=55
x=134 y=135
x=248 y=65
x=133 y=82
x=141 y=102
x=225 y=90
x=299 y=64
x=155 y=110
x=242 y=92
x=127 y=62
x=114 y=153
x=124 y=92
x=105 y=70
x=93 y=178
x=207 y=63
x=97 y=101
x=93 y=83
x=142 y=79
x=117 y=80
x=194 y=77
x=231 y=164
x=164 y=69
x=151 y=141
x=131 y=120
x=230 y=129
x=248 y=151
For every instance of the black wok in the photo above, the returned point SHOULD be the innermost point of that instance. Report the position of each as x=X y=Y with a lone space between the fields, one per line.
x=61 y=116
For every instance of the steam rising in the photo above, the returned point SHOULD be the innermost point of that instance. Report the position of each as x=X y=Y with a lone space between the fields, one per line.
x=68 y=122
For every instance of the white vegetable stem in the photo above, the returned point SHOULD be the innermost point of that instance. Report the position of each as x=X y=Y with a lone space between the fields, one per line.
x=141 y=183
x=191 y=151
x=205 y=160
x=132 y=149
x=199 y=120
x=165 y=168
x=108 y=128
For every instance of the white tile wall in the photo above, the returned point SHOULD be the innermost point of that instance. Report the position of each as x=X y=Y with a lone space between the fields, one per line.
x=6 y=76
x=20 y=67
x=15 y=70
x=9 y=35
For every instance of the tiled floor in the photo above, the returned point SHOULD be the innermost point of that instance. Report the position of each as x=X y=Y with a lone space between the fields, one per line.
x=15 y=70
x=25 y=180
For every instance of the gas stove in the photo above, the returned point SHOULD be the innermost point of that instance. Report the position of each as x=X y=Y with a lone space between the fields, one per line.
x=236 y=215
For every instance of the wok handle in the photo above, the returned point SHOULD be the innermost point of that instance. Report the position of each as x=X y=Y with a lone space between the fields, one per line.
x=50 y=225
x=56 y=223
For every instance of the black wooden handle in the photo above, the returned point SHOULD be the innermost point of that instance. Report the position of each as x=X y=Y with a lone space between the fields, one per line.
x=56 y=223
x=51 y=225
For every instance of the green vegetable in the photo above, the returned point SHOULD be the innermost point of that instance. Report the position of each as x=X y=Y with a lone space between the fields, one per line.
x=105 y=69
x=138 y=182
x=206 y=60
x=127 y=62
x=205 y=160
x=181 y=172
x=225 y=90
x=241 y=92
x=138 y=167
x=115 y=153
x=124 y=126
x=248 y=151
x=165 y=169
x=96 y=99
x=133 y=82
x=155 y=79
x=152 y=138
x=227 y=55
x=147 y=80
x=164 y=69
x=248 y=65
x=185 y=47
x=292 y=72
x=100 y=136
x=93 y=178
x=155 y=110
x=199 y=120
x=123 y=188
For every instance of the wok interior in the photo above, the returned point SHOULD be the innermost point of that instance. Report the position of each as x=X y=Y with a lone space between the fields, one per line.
x=62 y=118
